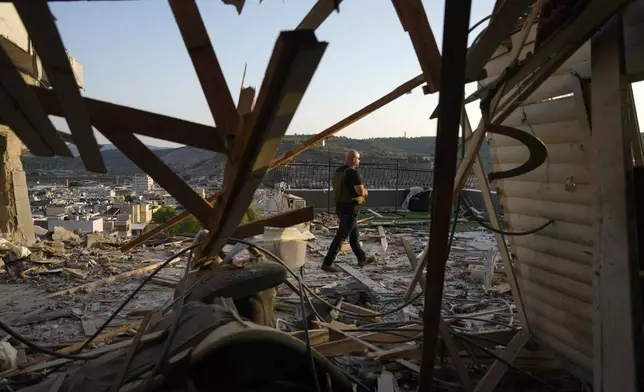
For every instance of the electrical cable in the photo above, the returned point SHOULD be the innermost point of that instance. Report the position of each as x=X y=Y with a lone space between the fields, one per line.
x=73 y=355
x=132 y=294
x=477 y=24
x=506 y=362
x=41 y=349
x=307 y=339
x=483 y=224
x=319 y=298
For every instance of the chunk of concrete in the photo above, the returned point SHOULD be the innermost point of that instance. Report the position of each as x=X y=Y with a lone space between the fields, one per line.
x=8 y=357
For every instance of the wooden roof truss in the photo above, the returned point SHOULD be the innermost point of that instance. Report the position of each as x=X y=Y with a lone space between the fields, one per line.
x=249 y=133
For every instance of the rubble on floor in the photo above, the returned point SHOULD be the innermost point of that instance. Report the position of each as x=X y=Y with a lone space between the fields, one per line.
x=366 y=329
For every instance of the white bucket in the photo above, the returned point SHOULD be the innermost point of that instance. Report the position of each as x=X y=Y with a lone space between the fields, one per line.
x=288 y=243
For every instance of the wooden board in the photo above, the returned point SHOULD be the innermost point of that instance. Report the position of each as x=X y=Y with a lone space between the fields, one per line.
x=294 y=60
x=39 y=21
x=28 y=120
x=364 y=279
x=206 y=65
x=383 y=238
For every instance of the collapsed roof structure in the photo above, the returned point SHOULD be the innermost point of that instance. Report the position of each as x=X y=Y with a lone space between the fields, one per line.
x=567 y=190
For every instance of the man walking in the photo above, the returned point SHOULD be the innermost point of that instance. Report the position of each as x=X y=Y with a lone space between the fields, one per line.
x=348 y=193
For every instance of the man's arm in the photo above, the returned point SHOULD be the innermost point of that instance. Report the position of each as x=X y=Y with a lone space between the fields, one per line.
x=358 y=184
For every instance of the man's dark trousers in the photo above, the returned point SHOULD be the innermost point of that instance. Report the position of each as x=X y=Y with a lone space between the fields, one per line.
x=348 y=227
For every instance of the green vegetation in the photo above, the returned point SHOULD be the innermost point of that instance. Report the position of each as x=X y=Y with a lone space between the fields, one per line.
x=192 y=224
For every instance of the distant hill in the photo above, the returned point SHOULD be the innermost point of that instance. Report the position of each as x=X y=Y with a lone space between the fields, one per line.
x=194 y=162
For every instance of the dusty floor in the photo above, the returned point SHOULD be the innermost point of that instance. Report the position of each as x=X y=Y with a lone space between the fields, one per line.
x=66 y=319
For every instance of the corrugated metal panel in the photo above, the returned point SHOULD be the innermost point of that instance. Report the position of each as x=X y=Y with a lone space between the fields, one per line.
x=553 y=267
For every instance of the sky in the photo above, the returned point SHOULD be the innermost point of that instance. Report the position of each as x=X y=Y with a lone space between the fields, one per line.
x=133 y=54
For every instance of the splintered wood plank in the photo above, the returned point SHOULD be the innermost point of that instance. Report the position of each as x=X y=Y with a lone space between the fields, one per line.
x=402 y=351
x=414 y=20
x=206 y=64
x=347 y=346
x=501 y=25
x=290 y=70
x=110 y=279
x=126 y=120
x=413 y=260
x=498 y=369
x=141 y=156
x=39 y=21
x=244 y=108
x=246 y=100
x=398 y=92
x=21 y=111
x=316 y=336
x=383 y=238
x=534 y=70
x=318 y=14
x=411 y=366
x=364 y=279
x=457 y=17
x=463 y=374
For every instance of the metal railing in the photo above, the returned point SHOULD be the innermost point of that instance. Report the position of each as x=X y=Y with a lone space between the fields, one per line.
x=305 y=175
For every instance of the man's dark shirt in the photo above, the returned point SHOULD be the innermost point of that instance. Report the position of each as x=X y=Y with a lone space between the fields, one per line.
x=351 y=178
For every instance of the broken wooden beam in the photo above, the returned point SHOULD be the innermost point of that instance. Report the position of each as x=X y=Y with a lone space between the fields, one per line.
x=455 y=34
x=318 y=14
x=398 y=92
x=92 y=285
x=504 y=98
x=414 y=20
x=364 y=279
x=491 y=379
x=125 y=120
x=289 y=72
x=404 y=351
x=40 y=24
x=21 y=111
x=149 y=162
x=206 y=65
x=501 y=24
x=413 y=367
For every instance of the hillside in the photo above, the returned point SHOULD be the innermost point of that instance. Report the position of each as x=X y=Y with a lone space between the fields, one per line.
x=194 y=162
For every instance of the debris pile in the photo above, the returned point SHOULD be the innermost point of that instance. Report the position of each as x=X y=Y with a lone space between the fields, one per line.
x=63 y=289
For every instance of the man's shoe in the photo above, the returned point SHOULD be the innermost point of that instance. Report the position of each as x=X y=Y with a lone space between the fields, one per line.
x=330 y=268
x=367 y=260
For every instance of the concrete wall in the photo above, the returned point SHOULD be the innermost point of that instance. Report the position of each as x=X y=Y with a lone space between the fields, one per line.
x=379 y=198
x=85 y=226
